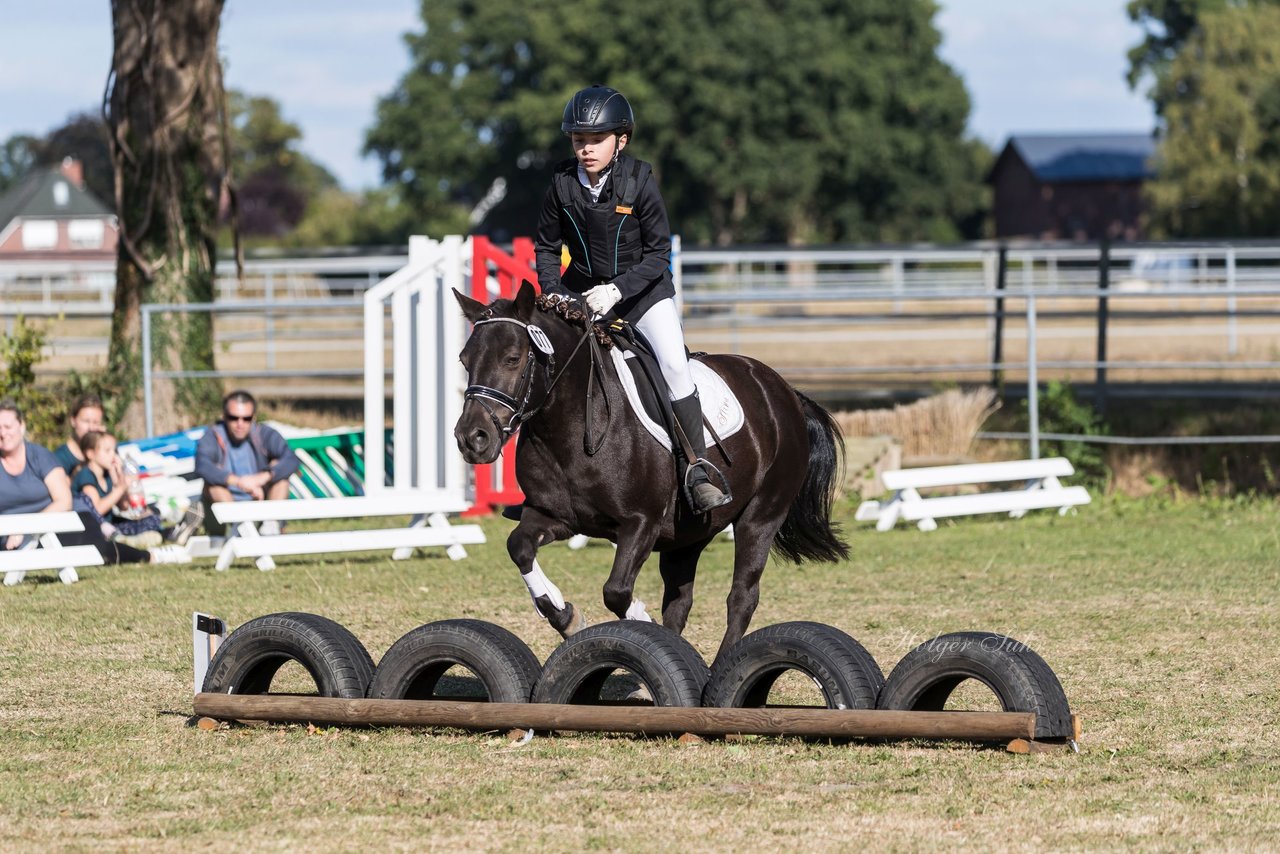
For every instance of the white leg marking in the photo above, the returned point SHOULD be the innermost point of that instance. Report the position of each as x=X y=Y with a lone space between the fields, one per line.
x=636 y=611
x=539 y=585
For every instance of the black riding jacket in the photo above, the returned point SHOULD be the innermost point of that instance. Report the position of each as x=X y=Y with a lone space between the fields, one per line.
x=623 y=238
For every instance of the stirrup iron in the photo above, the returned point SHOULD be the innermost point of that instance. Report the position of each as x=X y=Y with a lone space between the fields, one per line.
x=708 y=469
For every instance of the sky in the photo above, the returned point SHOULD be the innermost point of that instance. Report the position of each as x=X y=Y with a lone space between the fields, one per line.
x=1029 y=66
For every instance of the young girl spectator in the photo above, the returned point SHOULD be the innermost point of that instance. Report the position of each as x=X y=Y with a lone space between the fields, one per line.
x=105 y=484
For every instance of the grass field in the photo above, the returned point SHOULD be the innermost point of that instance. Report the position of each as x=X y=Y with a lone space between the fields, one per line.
x=1160 y=619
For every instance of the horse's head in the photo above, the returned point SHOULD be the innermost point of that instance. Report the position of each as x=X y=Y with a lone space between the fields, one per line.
x=501 y=359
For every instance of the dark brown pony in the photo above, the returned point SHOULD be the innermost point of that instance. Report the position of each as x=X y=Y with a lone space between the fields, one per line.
x=587 y=465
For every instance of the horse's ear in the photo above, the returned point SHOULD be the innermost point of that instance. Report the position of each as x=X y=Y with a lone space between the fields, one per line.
x=473 y=309
x=524 y=300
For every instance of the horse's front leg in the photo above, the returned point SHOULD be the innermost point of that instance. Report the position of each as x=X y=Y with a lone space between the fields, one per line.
x=635 y=544
x=535 y=530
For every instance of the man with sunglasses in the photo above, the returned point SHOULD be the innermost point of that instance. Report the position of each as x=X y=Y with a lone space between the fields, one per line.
x=242 y=460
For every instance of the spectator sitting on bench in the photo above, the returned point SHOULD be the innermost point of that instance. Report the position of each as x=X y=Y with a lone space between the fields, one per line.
x=31 y=481
x=241 y=460
x=85 y=416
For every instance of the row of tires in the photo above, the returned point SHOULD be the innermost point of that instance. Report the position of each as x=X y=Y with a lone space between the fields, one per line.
x=419 y=664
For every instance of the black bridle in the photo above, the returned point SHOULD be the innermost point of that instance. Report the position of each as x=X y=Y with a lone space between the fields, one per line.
x=519 y=403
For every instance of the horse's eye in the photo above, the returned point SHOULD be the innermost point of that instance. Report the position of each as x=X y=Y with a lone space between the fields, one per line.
x=512 y=360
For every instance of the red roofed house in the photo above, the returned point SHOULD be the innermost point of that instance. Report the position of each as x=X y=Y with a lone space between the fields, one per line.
x=50 y=216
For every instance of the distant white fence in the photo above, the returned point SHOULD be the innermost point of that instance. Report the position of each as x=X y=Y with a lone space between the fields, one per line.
x=826 y=318
x=50 y=288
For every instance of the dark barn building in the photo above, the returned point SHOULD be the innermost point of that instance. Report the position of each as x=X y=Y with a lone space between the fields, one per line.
x=1072 y=186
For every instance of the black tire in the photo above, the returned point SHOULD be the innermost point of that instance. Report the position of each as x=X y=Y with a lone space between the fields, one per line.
x=664 y=662
x=249 y=658
x=413 y=667
x=1020 y=679
x=846 y=673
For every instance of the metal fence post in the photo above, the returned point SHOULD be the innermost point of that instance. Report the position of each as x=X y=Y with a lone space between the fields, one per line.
x=898 y=282
x=1233 y=344
x=1100 y=369
x=271 y=321
x=147 y=409
x=1033 y=388
x=997 y=335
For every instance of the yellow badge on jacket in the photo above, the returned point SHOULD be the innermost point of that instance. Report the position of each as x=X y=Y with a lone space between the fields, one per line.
x=622 y=209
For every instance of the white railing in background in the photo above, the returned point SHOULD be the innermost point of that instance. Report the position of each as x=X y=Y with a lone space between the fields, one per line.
x=88 y=287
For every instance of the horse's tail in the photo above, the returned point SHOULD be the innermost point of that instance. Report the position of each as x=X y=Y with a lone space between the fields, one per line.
x=808 y=534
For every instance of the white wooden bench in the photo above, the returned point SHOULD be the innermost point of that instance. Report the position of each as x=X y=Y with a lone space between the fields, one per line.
x=43 y=550
x=1041 y=489
x=428 y=527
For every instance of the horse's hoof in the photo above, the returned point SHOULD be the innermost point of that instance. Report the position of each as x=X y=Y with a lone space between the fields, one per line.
x=573 y=623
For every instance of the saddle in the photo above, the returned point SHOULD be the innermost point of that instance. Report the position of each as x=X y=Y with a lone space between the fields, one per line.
x=650 y=399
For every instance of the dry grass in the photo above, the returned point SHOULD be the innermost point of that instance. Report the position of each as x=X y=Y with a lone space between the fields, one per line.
x=943 y=425
x=1160 y=618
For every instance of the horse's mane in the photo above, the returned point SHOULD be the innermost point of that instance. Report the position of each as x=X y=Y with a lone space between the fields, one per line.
x=572 y=313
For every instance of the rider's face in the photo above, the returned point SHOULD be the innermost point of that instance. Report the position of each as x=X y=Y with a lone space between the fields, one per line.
x=595 y=150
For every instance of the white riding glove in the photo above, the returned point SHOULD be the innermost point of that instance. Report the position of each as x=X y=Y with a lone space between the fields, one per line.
x=601 y=298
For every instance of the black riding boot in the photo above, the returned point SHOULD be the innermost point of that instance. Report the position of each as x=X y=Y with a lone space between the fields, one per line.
x=702 y=493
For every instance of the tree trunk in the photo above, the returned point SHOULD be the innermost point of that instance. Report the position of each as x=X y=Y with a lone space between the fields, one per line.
x=164 y=106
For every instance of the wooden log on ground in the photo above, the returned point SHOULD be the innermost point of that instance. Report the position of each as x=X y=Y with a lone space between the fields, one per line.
x=809 y=723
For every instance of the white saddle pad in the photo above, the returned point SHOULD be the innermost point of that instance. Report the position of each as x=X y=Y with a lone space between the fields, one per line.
x=719 y=407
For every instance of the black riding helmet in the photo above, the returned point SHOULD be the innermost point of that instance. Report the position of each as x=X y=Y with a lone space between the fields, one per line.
x=598 y=109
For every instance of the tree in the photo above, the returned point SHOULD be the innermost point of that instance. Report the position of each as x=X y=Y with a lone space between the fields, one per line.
x=164 y=109
x=276 y=181
x=1219 y=160
x=84 y=137
x=339 y=218
x=1166 y=25
x=819 y=120
x=18 y=155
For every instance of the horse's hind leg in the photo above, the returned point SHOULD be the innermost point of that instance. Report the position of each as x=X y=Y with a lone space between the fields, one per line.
x=536 y=530
x=678 y=567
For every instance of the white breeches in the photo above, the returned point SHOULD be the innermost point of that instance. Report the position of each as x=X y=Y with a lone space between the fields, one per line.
x=661 y=326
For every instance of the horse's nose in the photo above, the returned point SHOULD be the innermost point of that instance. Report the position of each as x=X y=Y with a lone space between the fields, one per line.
x=473 y=442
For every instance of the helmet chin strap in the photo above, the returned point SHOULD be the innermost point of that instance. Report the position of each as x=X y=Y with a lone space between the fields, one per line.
x=617 y=150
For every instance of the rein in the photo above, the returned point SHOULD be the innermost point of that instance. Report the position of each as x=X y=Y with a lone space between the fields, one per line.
x=520 y=411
